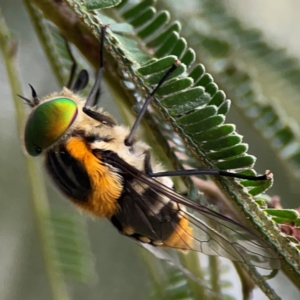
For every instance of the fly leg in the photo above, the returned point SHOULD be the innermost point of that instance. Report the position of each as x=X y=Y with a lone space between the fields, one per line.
x=128 y=141
x=194 y=172
x=90 y=102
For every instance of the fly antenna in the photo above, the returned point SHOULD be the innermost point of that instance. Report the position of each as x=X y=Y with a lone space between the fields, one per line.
x=96 y=86
x=28 y=101
x=35 y=98
x=128 y=141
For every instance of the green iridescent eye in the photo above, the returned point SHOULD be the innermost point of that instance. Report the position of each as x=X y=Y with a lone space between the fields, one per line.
x=47 y=123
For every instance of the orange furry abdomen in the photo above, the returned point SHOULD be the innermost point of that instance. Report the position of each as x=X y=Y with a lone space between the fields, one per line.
x=106 y=185
x=182 y=237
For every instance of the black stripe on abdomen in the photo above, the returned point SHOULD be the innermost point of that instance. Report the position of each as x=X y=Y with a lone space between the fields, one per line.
x=68 y=174
x=136 y=212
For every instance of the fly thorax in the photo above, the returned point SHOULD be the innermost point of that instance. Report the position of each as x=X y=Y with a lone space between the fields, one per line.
x=113 y=139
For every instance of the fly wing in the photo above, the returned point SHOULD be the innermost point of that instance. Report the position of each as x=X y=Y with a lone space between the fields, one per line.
x=211 y=234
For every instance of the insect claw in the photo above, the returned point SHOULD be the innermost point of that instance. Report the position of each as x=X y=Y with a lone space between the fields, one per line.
x=104 y=26
x=269 y=174
x=177 y=62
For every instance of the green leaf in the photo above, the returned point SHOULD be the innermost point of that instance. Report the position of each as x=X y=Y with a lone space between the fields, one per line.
x=218 y=98
x=237 y=163
x=206 y=125
x=197 y=115
x=216 y=131
x=158 y=22
x=160 y=39
x=222 y=143
x=100 y=4
x=183 y=97
x=155 y=78
x=233 y=151
x=160 y=65
x=137 y=9
x=288 y=214
x=144 y=17
x=175 y=85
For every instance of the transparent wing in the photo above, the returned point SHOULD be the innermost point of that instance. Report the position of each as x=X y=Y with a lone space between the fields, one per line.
x=215 y=236
x=211 y=234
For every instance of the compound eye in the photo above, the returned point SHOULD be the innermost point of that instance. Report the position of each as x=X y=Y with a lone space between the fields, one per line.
x=48 y=122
